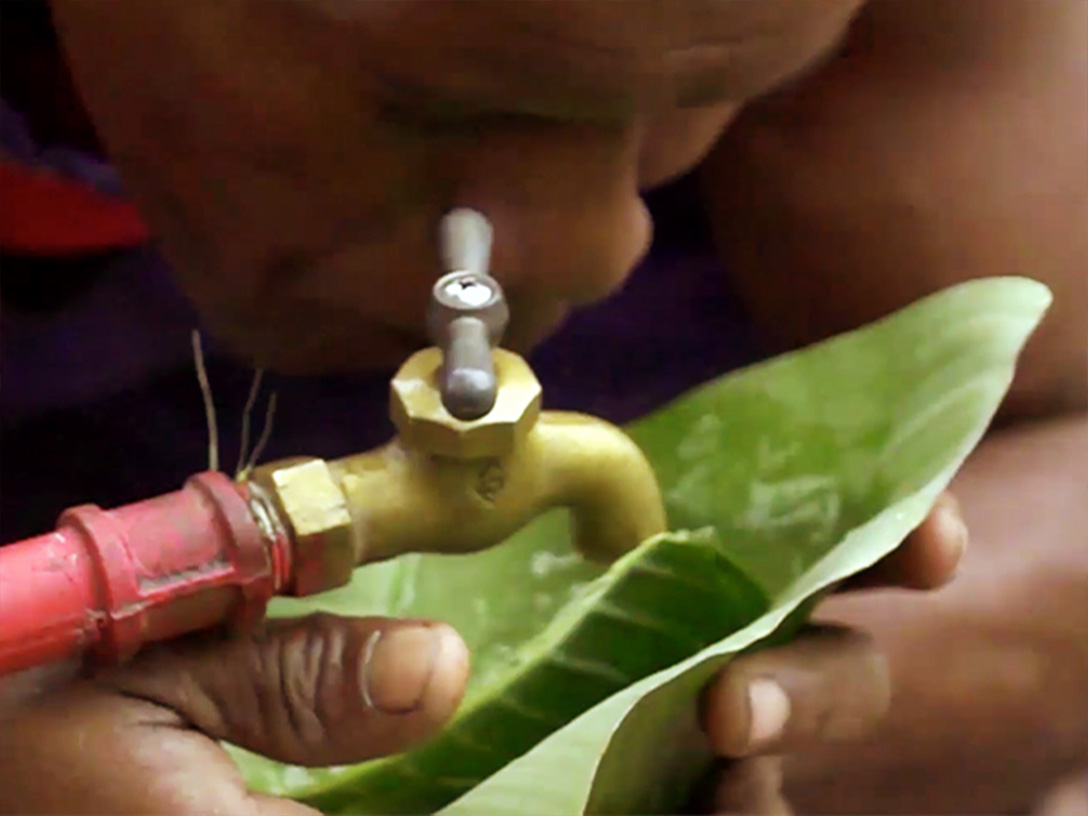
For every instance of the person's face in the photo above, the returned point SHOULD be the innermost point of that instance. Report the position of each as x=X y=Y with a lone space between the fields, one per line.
x=294 y=156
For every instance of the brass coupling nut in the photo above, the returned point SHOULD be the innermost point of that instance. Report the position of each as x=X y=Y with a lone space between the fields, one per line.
x=315 y=510
x=424 y=423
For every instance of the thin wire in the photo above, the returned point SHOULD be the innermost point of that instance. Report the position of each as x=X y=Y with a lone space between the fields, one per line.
x=251 y=400
x=266 y=433
x=209 y=404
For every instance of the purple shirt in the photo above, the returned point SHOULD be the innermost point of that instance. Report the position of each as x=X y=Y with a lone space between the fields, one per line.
x=99 y=401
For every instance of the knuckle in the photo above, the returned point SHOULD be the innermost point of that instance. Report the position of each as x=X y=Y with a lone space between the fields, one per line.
x=839 y=640
x=299 y=664
x=822 y=647
x=751 y=785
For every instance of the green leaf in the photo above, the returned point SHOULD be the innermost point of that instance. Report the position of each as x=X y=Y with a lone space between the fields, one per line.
x=781 y=480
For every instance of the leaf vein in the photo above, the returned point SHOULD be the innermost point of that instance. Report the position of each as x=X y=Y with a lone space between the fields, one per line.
x=666 y=573
x=650 y=624
x=589 y=667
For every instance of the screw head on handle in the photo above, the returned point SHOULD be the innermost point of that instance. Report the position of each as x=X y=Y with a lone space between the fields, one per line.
x=466 y=319
x=469 y=291
x=461 y=295
x=467 y=316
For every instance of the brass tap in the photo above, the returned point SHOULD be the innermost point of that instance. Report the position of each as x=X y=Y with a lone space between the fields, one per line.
x=474 y=460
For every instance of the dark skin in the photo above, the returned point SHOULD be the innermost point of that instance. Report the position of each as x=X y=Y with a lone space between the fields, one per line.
x=293 y=163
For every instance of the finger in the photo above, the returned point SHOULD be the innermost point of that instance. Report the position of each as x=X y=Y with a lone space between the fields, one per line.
x=751 y=786
x=28 y=685
x=927 y=559
x=829 y=685
x=321 y=690
x=91 y=751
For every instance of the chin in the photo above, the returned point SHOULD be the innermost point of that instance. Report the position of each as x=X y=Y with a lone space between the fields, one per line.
x=308 y=341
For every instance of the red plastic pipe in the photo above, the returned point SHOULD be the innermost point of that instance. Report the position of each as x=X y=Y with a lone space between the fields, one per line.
x=106 y=583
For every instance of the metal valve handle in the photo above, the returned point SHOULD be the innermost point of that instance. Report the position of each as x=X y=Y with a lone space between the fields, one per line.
x=467 y=316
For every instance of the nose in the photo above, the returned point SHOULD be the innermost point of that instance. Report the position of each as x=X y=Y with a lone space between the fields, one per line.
x=569 y=224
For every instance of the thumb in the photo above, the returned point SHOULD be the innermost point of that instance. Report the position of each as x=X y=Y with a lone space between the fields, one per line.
x=829 y=685
x=321 y=690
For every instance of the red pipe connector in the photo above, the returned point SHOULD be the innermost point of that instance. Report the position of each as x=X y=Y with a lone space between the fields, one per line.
x=105 y=583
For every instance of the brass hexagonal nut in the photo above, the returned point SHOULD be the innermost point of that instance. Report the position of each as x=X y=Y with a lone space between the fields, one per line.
x=424 y=424
x=312 y=503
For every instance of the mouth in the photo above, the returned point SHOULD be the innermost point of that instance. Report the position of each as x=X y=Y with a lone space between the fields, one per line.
x=358 y=346
x=310 y=337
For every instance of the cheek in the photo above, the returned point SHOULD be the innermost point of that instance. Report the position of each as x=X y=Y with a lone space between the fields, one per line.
x=675 y=144
x=569 y=223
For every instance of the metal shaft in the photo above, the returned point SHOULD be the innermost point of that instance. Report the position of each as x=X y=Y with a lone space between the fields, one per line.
x=468 y=385
x=468 y=316
x=465 y=236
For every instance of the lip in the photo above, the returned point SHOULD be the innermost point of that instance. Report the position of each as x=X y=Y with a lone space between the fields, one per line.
x=358 y=345
x=305 y=329
x=382 y=349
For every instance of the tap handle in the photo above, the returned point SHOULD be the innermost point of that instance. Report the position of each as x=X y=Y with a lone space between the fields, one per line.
x=465 y=236
x=468 y=316
x=468 y=385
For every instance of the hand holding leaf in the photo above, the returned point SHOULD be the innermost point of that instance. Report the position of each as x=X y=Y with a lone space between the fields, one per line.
x=781 y=481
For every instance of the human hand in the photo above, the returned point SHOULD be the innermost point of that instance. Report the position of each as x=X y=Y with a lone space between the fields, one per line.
x=829 y=686
x=325 y=690
x=143 y=739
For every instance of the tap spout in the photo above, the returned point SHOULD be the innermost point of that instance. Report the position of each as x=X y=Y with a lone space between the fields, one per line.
x=401 y=500
x=451 y=485
x=603 y=477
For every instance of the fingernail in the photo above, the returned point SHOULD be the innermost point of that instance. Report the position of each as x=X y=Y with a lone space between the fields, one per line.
x=769 y=712
x=953 y=529
x=397 y=666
